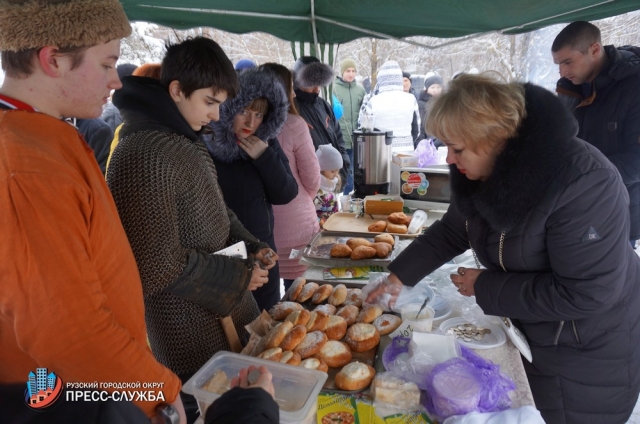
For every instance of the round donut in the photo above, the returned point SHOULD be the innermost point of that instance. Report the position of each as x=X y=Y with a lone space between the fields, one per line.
x=300 y=317
x=314 y=364
x=277 y=334
x=335 y=328
x=369 y=313
x=307 y=291
x=281 y=310
x=362 y=337
x=387 y=323
x=323 y=292
x=354 y=376
x=326 y=308
x=353 y=297
x=290 y=358
x=296 y=288
x=317 y=321
x=311 y=344
x=293 y=338
x=273 y=354
x=338 y=295
x=349 y=313
x=335 y=354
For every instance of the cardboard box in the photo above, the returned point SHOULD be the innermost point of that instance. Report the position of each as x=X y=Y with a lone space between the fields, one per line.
x=404 y=159
x=382 y=204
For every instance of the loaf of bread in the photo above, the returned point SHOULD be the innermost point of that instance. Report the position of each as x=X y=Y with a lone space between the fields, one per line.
x=314 y=364
x=296 y=288
x=354 y=376
x=363 y=252
x=340 y=251
x=307 y=292
x=293 y=337
x=300 y=317
x=317 y=321
x=281 y=310
x=273 y=354
x=335 y=328
x=335 y=354
x=290 y=358
x=387 y=323
x=397 y=218
x=362 y=337
x=355 y=242
x=385 y=238
x=369 y=313
x=349 y=313
x=382 y=249
x=322 y=294
x=377 y=227
x=277 y=334
x=338 y=295
x=397 y=228
x=311 y=344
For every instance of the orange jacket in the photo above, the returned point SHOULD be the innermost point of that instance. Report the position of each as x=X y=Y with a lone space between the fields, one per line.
x=71 y=297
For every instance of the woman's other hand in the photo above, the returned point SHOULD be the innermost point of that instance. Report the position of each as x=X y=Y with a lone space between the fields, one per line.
x=253 y=146
x=384 y=292
x=465 y=280
x=259 y=277
x=267 y=257
x=247 y=379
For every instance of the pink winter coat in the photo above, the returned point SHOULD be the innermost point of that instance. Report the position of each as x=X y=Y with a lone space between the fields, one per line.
x=297 y=222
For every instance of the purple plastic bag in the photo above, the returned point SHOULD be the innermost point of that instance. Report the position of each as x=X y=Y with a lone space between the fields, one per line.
x=460 y=386
x=427 y=153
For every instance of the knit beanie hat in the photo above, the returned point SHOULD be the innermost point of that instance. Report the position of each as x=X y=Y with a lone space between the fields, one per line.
x=436 y=79
x=346 y=64
x=245 y=64
x=310 y=72
x=329 y=158
x=31 y=24
x=406 y=75
x=389 y=77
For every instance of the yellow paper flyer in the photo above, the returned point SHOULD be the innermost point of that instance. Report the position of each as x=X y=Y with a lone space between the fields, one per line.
x=334 y=408
x=366 y=412
x=409 y=418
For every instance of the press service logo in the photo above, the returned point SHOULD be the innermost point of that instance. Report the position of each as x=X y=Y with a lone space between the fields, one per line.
x=43 y=389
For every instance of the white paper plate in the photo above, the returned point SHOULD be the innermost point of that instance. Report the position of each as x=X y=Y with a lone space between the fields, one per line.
x=493 y=339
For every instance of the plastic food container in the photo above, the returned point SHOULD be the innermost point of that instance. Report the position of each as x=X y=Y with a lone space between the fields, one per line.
x=296 y=388
x=418 y=220
x=422 y=323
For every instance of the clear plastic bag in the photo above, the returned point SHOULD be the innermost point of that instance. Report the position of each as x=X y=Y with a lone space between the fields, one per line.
x=392 y=297
x=394 y=393
x=427 y=153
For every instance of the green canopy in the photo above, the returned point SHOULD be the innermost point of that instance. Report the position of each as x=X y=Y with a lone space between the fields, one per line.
x=340 y=21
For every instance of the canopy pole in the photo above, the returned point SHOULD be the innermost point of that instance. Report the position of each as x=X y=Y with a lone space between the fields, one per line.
x=313 y=27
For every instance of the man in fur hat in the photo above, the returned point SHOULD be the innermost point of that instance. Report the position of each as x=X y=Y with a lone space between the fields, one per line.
x=311 y=74
x=71 y=292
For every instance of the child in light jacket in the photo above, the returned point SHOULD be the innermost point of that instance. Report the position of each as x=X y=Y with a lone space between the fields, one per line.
x=326 y=200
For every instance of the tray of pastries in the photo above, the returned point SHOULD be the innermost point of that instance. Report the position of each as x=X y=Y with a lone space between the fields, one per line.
x=396 y=223
x=325 y=327
x=339 y=249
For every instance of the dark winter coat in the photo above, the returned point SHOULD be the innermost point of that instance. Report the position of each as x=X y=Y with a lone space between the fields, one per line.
x=350 y=95
x=98 y=136
x=251 y=187
x=111 y=115
x=323 y=125
x=609 y=119
x=572 y=279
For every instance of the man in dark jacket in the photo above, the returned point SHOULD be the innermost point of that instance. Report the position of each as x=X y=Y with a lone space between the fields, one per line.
x=310 y=75
x=601 y=86
x=98 y=136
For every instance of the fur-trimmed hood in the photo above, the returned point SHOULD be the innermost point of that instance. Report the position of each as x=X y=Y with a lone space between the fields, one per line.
x=525 y=167
x=253 y=84
x=308 y=71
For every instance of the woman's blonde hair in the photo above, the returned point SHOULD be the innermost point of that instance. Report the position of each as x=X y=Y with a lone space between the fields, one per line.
x=479 y=111
x=260 y=105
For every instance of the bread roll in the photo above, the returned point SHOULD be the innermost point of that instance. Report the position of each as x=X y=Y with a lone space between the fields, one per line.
x=290 y=358
x=300 y=317
x=354 y=297
x=340 y=251
x=314 y=364
x=277 y=334
x=307 y=292
x=385 y=238
x=355 y=242
x=338 y=295
x=395 y=391
x=377 y=227
x=354 y=376
x=323 y=292
x=363 y=252
x=317 y=321
x=296 y=288
x=326 y=308
x=293 y=337
x=281 y=310
x=387 y=323
x=362 y=337
x=397 y=218
x=218 y=383
x=335 y=328
x=397 y=228
x=382 y=249
x=311 y=344
x=369 y=313
x=335 y=354
x=349 y=313
x=273 y=354
x=407 y=221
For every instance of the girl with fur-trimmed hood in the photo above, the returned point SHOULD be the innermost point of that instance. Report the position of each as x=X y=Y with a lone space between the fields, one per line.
x=253 y=171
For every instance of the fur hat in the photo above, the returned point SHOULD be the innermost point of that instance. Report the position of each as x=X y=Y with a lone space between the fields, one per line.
x=436 y=79
x=346 y=64
x=31 y=24
x=310 y=72
x=329 y=157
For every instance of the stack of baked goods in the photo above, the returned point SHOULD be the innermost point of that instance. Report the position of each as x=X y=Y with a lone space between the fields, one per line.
x=397 y=223
x=361 y=248
x=321 y=326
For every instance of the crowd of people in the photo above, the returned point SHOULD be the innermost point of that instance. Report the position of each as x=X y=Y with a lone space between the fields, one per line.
x=109 y=261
